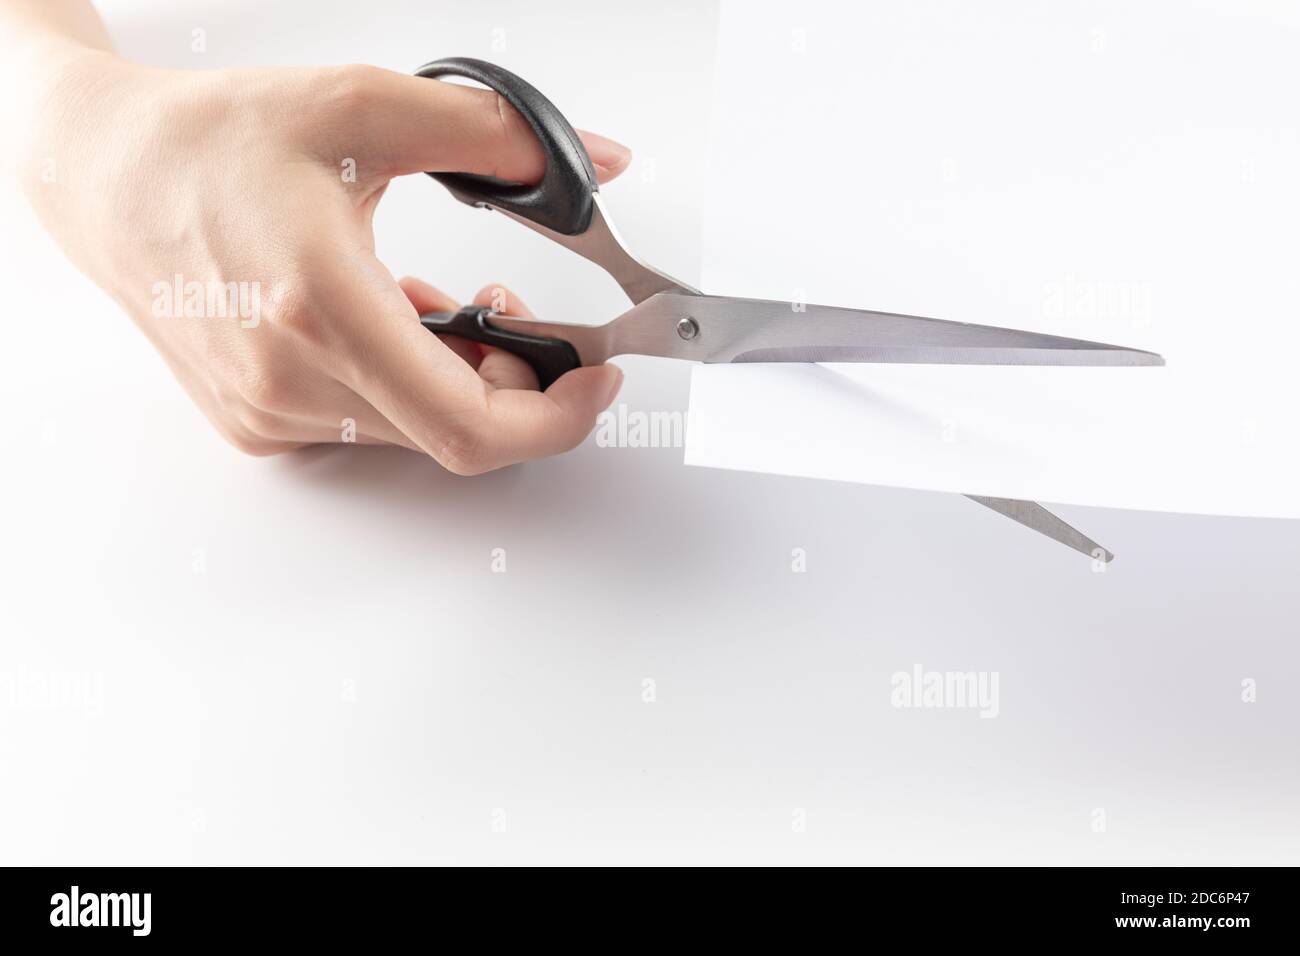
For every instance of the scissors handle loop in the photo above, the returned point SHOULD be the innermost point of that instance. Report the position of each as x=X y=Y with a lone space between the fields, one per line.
x=563 y=200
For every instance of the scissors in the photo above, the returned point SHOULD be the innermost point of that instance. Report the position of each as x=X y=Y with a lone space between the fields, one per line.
x=671 y=319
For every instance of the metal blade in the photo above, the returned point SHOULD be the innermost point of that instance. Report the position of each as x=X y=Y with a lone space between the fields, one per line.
x=1033 y=515
x=710 y=328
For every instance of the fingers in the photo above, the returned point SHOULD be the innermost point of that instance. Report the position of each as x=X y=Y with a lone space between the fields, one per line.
x=499 y=368
x=413 y=124
x=325 y=413
x=426 y=299
x=608 y=157
x=416 y=382
x=354 y=420
x=532 y=424
x=413 y=379
x=528 y=424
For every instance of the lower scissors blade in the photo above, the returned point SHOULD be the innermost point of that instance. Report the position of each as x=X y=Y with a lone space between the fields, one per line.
x=1033 y=515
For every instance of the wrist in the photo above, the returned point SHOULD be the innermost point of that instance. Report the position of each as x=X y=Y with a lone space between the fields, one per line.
x=62 y=97
x=67 y=150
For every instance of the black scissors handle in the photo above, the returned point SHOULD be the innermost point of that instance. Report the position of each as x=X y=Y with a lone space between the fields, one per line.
x=550 y=358
x=562 y=201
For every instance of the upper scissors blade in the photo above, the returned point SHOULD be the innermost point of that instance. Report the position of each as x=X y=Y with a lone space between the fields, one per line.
x=725 y=329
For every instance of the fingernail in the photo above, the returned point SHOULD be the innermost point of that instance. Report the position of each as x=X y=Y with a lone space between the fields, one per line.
x=615 y=385
x=607 y=155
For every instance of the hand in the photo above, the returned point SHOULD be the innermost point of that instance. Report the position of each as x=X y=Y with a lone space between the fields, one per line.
x=237 y=181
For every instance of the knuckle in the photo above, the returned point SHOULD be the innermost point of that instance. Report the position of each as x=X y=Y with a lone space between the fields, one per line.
x=260 y=423
x=459 y=448
x=467 y=464
x=346 y=89
x=264 y=390
x=293 y=312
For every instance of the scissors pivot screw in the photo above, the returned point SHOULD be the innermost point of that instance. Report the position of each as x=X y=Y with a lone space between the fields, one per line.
x=687 y=328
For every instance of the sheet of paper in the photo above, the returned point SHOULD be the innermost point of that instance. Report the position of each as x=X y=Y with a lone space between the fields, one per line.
x=1122 y=173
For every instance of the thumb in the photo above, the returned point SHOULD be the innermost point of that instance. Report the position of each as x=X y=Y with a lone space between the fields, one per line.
x=414 y=124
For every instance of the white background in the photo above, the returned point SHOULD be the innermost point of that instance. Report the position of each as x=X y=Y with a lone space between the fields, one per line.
x=212 y=659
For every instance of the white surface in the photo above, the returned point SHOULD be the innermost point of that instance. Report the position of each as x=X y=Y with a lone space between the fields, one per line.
x=1116 y=172
x=309 y=659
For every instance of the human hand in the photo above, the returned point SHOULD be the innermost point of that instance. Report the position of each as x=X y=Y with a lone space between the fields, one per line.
x=241 y=177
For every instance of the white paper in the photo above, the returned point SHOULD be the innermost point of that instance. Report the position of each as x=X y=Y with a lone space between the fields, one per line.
x=1122 y=173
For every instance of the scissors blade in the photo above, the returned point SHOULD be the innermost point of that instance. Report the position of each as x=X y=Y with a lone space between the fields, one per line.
x=1033 y=515
x=713 y=328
